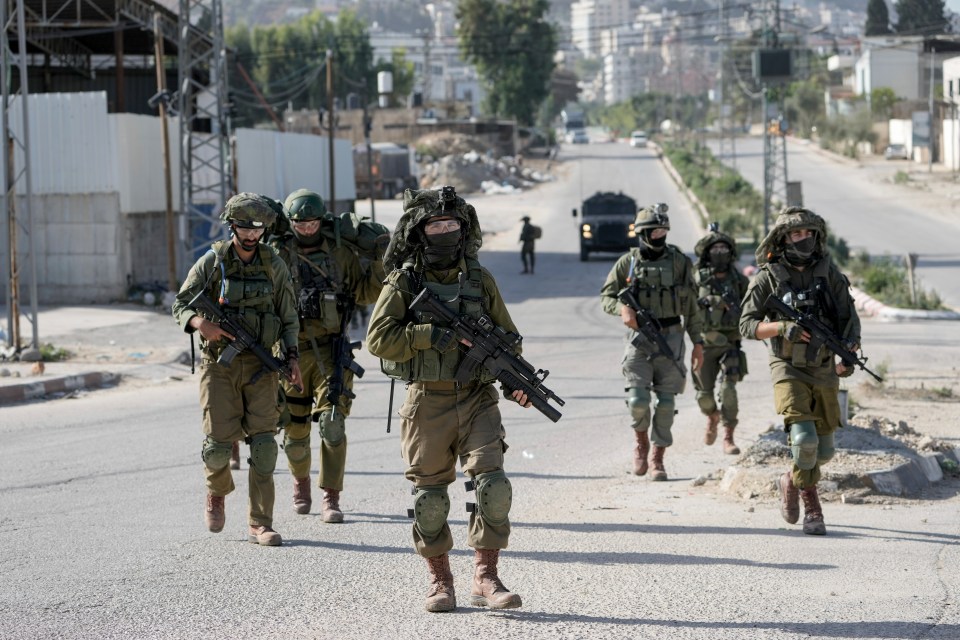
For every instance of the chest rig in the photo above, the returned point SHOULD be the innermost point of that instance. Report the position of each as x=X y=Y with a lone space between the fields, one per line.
x=247 y=291
x=660 y=285
x=319 y=283
x=716 y=292
x=463 y=297
x=807 y=291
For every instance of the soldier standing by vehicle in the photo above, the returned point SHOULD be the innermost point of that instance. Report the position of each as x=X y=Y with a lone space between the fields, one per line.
x=660 y=279
x=528 y=235
x=434 y=247
x=328 y=281
x=796 y=268
x=240 y=401
x=720 y=291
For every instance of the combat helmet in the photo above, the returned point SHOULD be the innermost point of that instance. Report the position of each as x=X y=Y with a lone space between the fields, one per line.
x=419 y=205
x=303 y=205
x=248 y=211
x=714 y=235
x=652 y=216
x=789 y=219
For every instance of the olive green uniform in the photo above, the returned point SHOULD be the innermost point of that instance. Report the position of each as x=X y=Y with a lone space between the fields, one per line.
x=664 y=287
x=233 y=407
x=442 y=422
x=320 y=279
x=804 y=388
x=722 y=356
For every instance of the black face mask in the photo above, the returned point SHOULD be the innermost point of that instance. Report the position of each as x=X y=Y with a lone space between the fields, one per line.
x=800 y=253
x=655 y=245
x=720 y=262
x=309 y=241
x=442 y=250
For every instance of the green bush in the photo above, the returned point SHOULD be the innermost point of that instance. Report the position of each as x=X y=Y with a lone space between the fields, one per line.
x=886 y=280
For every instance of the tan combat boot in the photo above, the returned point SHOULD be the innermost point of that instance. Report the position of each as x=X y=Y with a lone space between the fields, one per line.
x=729 y=447
x=440 y=597
x=235 y=455
x=711 y=435
x=214 y=514
x=812 y=512
x=331 y=506
x=263 y=535
x=789 y=498
x=487 y=589
x=656 y=461
x=640 y=452
x=301 y=495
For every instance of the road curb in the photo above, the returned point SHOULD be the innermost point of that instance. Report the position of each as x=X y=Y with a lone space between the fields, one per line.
x=28 y=391
x=868 y=306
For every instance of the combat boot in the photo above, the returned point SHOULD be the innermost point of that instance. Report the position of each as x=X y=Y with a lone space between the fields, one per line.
x=235 y=455
x=263 y=535
x=711 y=435
x=812 y=512
x=331 y=506
x=656 y=461
x=487 y=589
x=301 y=495
x=640 y=452
x=729 y=447
x=440 y=597
x=789 y=498
x=214 y=514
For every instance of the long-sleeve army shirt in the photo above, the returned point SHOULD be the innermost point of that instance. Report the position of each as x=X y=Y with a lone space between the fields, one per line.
x=720 y=321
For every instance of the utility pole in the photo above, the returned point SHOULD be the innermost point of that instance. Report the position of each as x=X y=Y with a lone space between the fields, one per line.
x=165 y=144
x=330 y=130
x=933 y=56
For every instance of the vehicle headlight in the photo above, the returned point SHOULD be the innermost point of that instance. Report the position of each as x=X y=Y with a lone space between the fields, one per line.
x=586 y=232
x=631 y=233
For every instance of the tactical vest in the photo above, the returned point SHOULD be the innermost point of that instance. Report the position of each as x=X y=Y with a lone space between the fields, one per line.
x=713 y=289
x=816 y=299
x=320 y=282
x=660 y=285
x=247 y=291
x=429 y=365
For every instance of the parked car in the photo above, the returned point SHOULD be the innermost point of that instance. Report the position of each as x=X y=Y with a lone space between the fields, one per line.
x=896 y=152
x=578 y=137
x=638 y=139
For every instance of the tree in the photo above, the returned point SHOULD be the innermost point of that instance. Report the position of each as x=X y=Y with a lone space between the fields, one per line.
x=878 y=18
x=882 y=100
x=403 y=75
x=512 y=45
x=921 y=17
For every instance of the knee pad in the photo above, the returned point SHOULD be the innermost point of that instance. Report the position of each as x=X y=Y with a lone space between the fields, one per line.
x=263 y=453
x=431 y=505
x=494 y=497
x=215 y=455
x=638 y=400
x=706 y=401
x=332 y=429
x=296 y=450
x=825 y=448
x=804 y=444
x=665 y=409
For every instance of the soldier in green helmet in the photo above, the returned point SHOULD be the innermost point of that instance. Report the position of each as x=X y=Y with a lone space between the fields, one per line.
x=328 y=280
x=434 y=247
x=721 y=288
x=660 y=277
x=246 y=278
x=796 y=267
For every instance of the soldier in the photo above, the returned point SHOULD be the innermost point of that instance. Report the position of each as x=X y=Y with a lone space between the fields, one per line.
x=328 y=281
x=795 y=267
x=240 y=401
x=720 y=289
x=661 y=279
x=435 y=247
x=527 y=237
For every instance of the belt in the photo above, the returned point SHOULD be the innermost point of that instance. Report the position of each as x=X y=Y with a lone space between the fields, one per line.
x=441 y=385
x=666 y=323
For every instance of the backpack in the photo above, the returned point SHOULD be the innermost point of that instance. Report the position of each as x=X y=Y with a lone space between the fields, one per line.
x=358 y=232
x=537 y=232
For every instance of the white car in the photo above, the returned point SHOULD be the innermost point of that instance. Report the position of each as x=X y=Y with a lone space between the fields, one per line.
x=638 y=139
x=578 y=137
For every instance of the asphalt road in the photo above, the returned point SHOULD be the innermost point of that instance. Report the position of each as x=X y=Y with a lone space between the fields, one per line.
x=102 y=534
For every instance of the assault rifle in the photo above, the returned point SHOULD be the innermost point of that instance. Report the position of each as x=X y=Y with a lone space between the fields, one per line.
x=649 y=328
x=730 y=300
x=820 y=334
x=242 y=341
x=342 y=350
x=493 y=348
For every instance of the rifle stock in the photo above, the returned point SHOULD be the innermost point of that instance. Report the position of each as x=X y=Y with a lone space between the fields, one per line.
x=649 y=328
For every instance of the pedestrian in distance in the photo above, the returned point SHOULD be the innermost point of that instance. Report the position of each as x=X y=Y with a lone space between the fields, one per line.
x=651 y=289
x=795 y=268
x=434 y=247
x=328 y=282
x=721 y=288
x=528 y=235
x=249 y=281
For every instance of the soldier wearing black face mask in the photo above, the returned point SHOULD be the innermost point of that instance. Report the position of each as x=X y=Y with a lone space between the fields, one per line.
x=721 y=287
x=795 y=267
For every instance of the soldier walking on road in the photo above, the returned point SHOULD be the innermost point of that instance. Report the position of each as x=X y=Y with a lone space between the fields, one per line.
x=528 y=235
x=796 y=268
x=328 y=280
x=660 y=278
x=240 y=400
x=720 y=291
x=434 y=247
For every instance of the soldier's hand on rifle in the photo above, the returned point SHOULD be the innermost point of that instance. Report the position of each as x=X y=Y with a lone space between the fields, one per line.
x=296 y=378
x=629 y=317
x=211 y=331
x=844 y=371
x=521 y=399
x=696 y=357
x=792 y=331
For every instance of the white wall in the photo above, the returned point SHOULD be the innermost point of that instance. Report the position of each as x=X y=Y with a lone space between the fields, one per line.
x=139 y=155
x=895 y=69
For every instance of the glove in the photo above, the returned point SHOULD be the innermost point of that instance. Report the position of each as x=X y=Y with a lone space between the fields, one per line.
x=443 y=340
x=789 y=330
